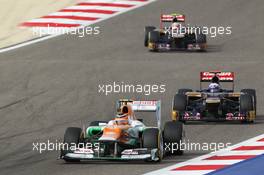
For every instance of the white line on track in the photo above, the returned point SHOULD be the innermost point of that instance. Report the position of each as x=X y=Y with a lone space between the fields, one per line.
x=203 y=160
x=137 y=4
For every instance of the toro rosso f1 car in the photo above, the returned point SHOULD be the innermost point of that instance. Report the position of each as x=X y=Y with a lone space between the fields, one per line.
x=174 y=35
x=215 y=103
x=123 y=138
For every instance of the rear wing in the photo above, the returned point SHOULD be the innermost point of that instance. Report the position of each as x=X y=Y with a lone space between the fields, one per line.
x=170 y=17
x=223 y=76
x=143 y=106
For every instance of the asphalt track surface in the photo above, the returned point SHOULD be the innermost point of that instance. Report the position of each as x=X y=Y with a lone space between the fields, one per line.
x=48 y=86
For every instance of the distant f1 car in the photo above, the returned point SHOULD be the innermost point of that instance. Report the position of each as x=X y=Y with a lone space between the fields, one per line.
x=174 y=35
x=215 y=103
x=123 y=138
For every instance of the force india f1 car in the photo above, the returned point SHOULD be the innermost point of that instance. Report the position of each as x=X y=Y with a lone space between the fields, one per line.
x=174 y=35
x=123 y=138
x=215 y=103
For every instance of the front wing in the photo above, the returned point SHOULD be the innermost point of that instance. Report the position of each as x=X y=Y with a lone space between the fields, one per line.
x=189 y=116
x=126 y=155
x=169 y=47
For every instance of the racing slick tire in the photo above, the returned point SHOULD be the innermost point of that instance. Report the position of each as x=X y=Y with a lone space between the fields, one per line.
x=172 y=135
x=252 y=92
x=97 y=123
x=200 y=39
x=71 y=138
x=147 y=30
x=183 y=91
x=179 y=102
x=152 y=139
x=246 y=105
x=154 y=37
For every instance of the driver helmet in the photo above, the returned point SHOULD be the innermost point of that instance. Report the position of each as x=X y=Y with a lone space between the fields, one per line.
x=124 y=113
x=175 y=20
x=215 y=79
x=214 y=85
x=123 y=117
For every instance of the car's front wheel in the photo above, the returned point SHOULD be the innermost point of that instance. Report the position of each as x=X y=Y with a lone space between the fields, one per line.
x=152 y=139
x=147 y=30
x=71 y=139
x=172 y=134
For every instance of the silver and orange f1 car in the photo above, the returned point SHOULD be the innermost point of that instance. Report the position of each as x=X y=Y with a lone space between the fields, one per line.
x=123 y=138
x=174 y=35
x=215 y=103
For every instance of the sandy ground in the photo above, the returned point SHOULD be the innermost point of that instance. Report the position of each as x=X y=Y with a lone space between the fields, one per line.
x=14 y=12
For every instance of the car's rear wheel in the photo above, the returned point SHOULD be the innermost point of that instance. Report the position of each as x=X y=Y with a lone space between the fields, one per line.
x=147 y=30
x=246 y=105
x=172 y=135
x=152 y=139
x=154 y=37
x=71 y=139
x=183 y=91
x=252 y=92
x=179 y=102
x=200 y=38
x=179 y=105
